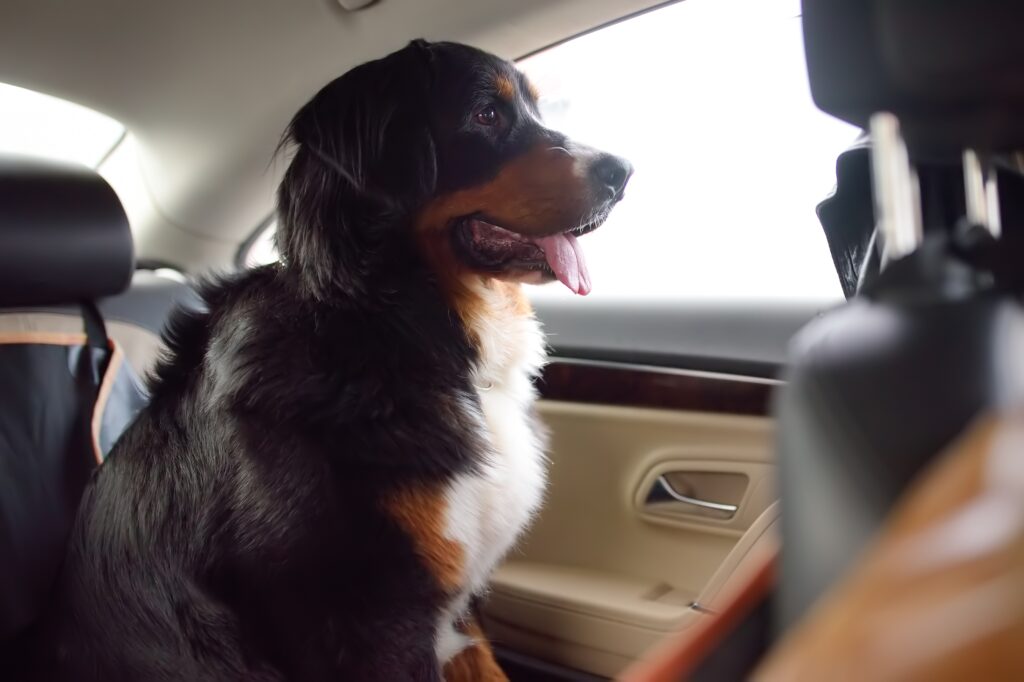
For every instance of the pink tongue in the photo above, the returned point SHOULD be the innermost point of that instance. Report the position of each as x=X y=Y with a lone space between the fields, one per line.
x=565 y=257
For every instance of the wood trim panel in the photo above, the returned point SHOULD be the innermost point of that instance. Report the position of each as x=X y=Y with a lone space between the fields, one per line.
x=580 y=381
x=936 y=597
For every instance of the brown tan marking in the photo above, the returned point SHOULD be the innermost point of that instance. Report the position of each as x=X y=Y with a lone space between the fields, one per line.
x=505 y=87
x=421 y=513
x=488 y=303
x=930 y=601
x=518 y=301
x=531 y=88
x=476 y=662
x=536 y=194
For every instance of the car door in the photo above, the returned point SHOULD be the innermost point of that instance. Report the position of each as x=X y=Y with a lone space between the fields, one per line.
x=658 y=394
x=660 y=482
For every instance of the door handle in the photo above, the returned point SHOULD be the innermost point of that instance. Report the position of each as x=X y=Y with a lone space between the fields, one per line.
x=664 y=491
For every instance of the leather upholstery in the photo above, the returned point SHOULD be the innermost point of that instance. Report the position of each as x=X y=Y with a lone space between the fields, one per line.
x=949 y=70
x=64 y=236
x=875 y=389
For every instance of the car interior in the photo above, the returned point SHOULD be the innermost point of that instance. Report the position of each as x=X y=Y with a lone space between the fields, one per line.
x=798 y=380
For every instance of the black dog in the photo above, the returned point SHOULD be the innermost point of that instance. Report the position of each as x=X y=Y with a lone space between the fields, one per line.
x=340 y=450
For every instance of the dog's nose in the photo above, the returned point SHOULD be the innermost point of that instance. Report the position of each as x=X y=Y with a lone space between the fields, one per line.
x=612 y=172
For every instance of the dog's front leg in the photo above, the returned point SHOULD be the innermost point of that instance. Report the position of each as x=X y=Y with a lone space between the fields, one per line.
x=476 y=662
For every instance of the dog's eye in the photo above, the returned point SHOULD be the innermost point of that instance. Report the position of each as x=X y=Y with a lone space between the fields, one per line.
x=488 y=116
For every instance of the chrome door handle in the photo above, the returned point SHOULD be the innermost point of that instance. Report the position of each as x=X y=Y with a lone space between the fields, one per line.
x=663 y=487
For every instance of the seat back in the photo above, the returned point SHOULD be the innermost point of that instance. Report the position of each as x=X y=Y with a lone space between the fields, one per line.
x=64 y=238
x=949 y=69
x=877 y=388
x=135 y=318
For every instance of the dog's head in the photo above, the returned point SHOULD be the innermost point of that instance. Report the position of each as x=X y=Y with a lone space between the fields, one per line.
x=436 y=155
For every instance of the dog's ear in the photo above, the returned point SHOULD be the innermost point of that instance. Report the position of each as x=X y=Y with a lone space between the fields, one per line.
x=372 y=126
x=364 y=159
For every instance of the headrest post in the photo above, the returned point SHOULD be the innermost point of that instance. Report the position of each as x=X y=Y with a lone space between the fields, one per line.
x=895 y=188
x=982 y=192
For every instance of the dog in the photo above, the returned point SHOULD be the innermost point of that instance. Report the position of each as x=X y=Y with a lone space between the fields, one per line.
x=341 y=446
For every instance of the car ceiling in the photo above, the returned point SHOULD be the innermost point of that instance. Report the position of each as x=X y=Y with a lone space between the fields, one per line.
x=207 y=86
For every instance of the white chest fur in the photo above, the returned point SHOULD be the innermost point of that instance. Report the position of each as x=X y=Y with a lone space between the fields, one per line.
x=487 y=509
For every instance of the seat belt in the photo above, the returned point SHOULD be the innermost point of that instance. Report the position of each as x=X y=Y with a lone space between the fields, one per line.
x=96 y=339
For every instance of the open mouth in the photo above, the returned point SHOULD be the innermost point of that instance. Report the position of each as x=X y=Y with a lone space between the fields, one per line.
x=487 y=246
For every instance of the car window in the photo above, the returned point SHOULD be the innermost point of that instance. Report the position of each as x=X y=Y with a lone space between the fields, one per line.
x=34 y=124
x=261 y=248
x=37 y=125
x=709 y=100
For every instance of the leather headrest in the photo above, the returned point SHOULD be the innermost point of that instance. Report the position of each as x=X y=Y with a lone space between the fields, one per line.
x=950 y=70
x=64 y=236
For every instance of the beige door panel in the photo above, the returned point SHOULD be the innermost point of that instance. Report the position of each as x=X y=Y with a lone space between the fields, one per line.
x=603 y=574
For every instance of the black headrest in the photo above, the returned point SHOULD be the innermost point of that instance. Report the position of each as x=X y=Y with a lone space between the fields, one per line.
x=64 y=235
x=950 y=69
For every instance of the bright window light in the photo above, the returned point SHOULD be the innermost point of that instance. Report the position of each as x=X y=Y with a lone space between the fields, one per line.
x=263 y=249
x=710 y=101
x=38 y=125
x=35 y=124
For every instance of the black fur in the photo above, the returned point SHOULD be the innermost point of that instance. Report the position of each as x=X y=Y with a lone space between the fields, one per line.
x=236 y=532
x=244 y=539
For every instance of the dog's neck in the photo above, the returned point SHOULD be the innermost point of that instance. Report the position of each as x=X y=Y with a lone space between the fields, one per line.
x=500 y=323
